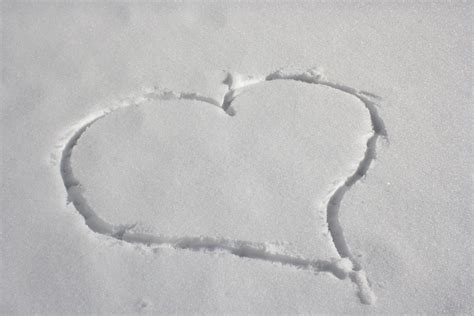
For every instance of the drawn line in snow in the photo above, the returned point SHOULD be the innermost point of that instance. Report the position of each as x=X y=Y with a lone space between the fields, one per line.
x=345 y=267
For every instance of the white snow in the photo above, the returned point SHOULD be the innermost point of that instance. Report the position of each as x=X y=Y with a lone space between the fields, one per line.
x=188 y=169
x=181 y=207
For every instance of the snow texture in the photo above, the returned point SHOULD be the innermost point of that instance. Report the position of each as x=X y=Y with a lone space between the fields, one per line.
x=196 y=158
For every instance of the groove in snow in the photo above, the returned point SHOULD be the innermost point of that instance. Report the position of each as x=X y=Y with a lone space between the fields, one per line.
x=346 y=266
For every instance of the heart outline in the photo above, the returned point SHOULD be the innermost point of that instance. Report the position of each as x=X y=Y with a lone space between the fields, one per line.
x=346 y=266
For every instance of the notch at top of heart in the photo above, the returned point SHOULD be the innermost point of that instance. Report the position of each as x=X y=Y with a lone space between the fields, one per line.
x=223 y=86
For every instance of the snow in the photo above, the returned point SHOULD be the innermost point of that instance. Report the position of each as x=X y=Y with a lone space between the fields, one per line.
x=191 y=170
x=266 y=242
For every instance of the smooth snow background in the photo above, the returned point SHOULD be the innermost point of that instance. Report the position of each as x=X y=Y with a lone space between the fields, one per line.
x=411 y=219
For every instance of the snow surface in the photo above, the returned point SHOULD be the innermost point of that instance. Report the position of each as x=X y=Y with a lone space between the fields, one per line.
x=188 y=169
x=267 y=242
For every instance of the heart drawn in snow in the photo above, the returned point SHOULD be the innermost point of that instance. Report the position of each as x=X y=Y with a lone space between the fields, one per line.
x=270 y=162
